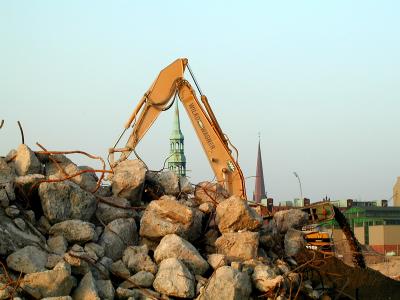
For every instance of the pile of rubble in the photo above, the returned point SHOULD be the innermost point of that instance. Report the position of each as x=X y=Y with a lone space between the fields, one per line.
x=146 y=235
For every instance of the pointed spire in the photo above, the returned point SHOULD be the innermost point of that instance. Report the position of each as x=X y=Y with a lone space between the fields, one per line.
x=259 y=188
x=177 y=159
x=176 y=126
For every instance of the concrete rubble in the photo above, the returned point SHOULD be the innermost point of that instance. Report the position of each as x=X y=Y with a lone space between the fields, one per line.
x=145 y=235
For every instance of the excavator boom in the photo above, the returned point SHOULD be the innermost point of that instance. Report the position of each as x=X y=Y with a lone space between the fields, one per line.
x=169 y=83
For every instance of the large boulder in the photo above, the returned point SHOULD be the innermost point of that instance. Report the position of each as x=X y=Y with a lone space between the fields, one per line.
x=164 y=183
x=13 y=238
x=7 y=176
x=85 y=180
x=173 y=245
x=234 y=214
x=294 y=242
x=106 y=212
x=74 y=231
x=238 y=245
x=140 y=279
x=87 y=289
x=29 y=259
x=167 y=216
x=106 y=289
x=26 y=161
x=136 y=258
x=210 y=192
x=266 y=278
x=174 y=279
x=65 y=200
x=292 y=218
x=117 y=235
x=227 y=284
x=128 y=180
x=53 y=283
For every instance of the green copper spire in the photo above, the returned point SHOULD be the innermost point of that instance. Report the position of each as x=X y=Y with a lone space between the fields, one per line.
x=177 y=159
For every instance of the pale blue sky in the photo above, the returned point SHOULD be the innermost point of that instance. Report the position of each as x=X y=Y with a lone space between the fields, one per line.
x=319 y=79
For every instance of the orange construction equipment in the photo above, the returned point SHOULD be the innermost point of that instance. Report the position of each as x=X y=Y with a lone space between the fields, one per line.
x=169 y=84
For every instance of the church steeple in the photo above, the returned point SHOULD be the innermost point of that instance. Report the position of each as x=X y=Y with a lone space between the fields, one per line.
x=177 y=159
x=259 y=189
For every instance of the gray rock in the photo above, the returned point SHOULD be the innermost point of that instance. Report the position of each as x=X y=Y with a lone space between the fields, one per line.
x=217 y=260
x=117 y=235
x=210 y=192
x=53 y=260
x=87 y=289
x=292 y=218
x=185 y=185
x=12 y=238
x=294 y=242
x=29 y=259
x=136 y=258
x=86 y=180
x=43 y=225
x=266 y=278
x=107 y=213
x=229 y=284
x=26 y=161
x=166 y=181
x=105 y=289
x=167 y=216
x=140 y=279
x=74 y=231
x=7 y=176
x=122 y=293
x=238 y=245
x=12 y=211
x=234 y=214
x=65 y=200
x=174 y=279
x=27 y=182
x=53 y=283
x=93 y=249
x=119 y=269
x=206 y=207
x=173 y=245
x=57 y=298
x=20 y=223
x=128 y=180
x=76 y=258
x=57 y=244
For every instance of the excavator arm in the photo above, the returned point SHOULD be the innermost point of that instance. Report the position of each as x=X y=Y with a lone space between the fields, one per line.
x=169 y=83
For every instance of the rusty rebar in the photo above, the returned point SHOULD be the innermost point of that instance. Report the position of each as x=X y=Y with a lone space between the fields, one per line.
x=103 y=171
x=22 y=132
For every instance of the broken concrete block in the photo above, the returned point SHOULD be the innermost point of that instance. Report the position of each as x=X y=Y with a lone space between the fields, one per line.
x=210 y=192
x=234 y=214
x=29 y=259
x=136 y=258
x=26 y=161
x=173 y=245
x=228 y=284
x=167 y=216
x=65 y=200
x=86 y=181
x=128 y=180
x=174 y=279
x=74 y=231
x=52 y=283
x=117 y=235
x=238 y=245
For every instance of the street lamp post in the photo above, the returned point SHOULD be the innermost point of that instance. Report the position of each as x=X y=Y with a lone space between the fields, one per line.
x=301 y=190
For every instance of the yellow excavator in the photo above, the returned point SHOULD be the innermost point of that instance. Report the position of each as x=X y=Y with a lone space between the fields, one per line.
x=170 y=84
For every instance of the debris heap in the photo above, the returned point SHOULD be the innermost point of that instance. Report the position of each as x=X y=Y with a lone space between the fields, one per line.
x=145 y=235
